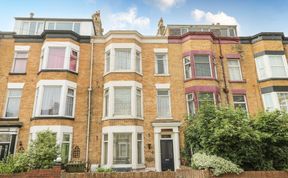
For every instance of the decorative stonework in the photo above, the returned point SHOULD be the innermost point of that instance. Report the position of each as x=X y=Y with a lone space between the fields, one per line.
x=97 y=23
x=161 y=28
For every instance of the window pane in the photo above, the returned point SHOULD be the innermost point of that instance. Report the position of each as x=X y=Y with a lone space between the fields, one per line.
x=51 y=100
x=66 y=137
x=25 y=28
x=13 y=103
x=202 y=66
x=261 y=68
x=122 y=101
x=65 y=147
x=239 y=102
x=139 y=148
x=122 y=59
x=105 y=148
x=187 y=67
x=277 y=66
x=77 y=28
x=5 y=138
x=205 y=98
x=64 y=26
x=40 y=28
x=56 y=58
x=268 y=102
x=73 y=60
x=163 y=104
x=106 y=102
x=69 y=102
x=239 y=98
x=138 y=102
x=32 y=29
x=20 y=61
x=190 y=103
x=51 y=26
x=122 y=150
x=161 y=61
x=138 y=61
x=283 y=101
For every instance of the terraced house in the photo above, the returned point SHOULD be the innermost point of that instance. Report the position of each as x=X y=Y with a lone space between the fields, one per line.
x=120 y=99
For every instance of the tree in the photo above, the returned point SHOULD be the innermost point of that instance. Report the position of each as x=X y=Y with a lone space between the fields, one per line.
x=43 y=151
x=227 y=133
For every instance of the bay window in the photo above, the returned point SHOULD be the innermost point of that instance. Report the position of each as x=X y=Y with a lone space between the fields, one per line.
x=122 y=100
x=59 y=56
x=187 y=67
x=20 y=59
x=234 y=70
x=55 y=98
x=271 y=66
x=14 y=94
x=123 y=57
x=202 y=66
x=122 y=147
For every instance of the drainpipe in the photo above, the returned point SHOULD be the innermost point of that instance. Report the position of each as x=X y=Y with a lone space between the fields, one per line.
x=89 y=104
x=225 y=89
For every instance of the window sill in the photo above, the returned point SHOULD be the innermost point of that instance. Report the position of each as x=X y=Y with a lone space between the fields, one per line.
x=164 y=118
x=122 y=117
x=51 y=117
x=15 y=73
x=57 y=70
x=237 y=81
x=10 y=118
x=107 y=73
x=162 y=75
x=212 y=79
x=275 y=78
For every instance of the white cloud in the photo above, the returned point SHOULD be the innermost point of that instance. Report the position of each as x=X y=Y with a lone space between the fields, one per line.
x=165 y=4
x=209 y=18
x=128 y=20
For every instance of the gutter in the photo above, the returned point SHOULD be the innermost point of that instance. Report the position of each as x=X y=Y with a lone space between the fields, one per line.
x=90 y=89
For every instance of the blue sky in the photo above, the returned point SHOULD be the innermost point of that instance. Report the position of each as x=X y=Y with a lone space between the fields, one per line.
x=252 y=16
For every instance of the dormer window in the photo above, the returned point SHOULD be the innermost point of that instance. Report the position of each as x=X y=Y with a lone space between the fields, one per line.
x=60 y=56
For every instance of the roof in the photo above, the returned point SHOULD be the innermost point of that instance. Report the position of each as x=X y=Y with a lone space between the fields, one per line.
x=52 y=19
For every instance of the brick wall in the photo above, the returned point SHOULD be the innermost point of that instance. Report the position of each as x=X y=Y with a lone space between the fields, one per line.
x=55 y=172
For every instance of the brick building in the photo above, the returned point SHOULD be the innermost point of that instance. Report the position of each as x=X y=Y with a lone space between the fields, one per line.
x=119 y=99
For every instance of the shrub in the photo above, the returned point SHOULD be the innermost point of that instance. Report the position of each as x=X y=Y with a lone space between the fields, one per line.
x=16 y=163
x=216 y=164
x=43 y=151
x=227 y=133
x=100 y=169
x=274 y=135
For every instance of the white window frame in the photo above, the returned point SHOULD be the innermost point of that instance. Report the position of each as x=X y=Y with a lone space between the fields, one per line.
x=205 y=92
x=245 y=101
x=114 y=84
x=65 y=85
x=131 y=129
x=54 y=25
x=164 y=87
x=163 y=51
x=20 y=49
x=13 y=86
x=37 y=30
x=133 y=49
x=184 y=67
x=210 y=65
x=68 y=49
x=60 y=130
x=193 y=102
x=238 y=65
x=267 y=67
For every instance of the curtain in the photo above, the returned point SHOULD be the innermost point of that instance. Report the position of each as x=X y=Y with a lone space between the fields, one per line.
x=283 y=101
x=202 y=65
x=20 y=61
x=122 y=101
x=73 y=60
x=69 y=102
x=163 y=104
x=56 y=58
x=13 y=103
x=51 y=100
x=122 y=59
x=234 y=70
x=122 y=148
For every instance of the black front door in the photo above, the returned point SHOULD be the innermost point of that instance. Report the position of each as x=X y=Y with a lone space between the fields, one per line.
x=167 y=156
x=4 y=150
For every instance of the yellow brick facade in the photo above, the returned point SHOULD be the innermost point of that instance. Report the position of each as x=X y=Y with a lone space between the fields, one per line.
x=178 y=86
